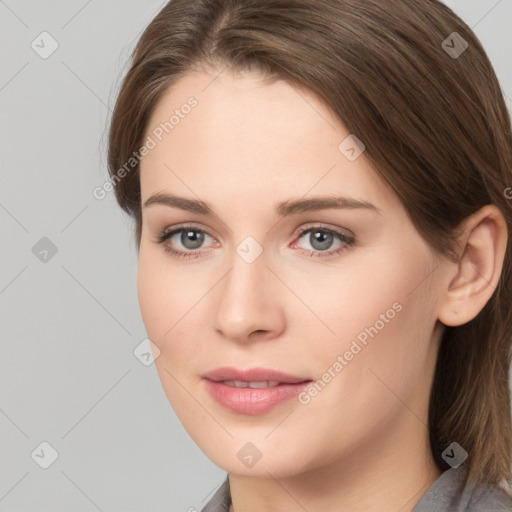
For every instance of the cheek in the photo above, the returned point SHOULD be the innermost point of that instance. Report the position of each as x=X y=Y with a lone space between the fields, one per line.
x=164 y=304
x=170 y=304
x=162 y=298
x=359 y=396
x=151 y=295
x=383 y=317
x=365 y=293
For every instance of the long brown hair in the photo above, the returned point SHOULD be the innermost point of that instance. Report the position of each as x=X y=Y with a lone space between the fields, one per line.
x=429 y=108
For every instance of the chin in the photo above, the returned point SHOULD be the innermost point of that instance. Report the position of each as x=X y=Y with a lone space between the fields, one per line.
x=253 y=456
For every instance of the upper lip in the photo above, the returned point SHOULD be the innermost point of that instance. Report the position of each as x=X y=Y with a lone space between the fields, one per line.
x=251 y=375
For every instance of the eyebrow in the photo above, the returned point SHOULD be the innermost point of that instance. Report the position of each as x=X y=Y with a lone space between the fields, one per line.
x=283 y=209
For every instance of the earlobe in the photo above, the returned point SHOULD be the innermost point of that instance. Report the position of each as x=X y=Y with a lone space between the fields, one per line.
x=471 y=280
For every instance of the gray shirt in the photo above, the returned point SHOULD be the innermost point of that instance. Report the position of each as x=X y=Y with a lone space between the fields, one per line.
x=440 y=497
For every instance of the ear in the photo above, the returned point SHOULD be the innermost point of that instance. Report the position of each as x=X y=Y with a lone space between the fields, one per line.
x=472 y=279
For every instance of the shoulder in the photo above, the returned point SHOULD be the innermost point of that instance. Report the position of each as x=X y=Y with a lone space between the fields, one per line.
x=451 y=493
x=489 y=499
x=221 y=499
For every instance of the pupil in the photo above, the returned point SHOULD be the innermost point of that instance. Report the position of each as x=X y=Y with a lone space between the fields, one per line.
x=321 y=240
x=192 y=239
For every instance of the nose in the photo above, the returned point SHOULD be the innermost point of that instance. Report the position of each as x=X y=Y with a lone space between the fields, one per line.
x=249 y=303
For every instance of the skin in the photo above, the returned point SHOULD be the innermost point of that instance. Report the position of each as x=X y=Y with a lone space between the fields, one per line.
x=362 y=442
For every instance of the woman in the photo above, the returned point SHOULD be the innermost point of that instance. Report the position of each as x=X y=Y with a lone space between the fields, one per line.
x=324 y=261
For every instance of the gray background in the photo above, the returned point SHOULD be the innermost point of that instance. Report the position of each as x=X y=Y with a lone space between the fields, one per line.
x=70 y=324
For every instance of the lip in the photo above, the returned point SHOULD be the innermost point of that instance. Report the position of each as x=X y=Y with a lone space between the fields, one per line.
x=252 y=401
x=251 y=374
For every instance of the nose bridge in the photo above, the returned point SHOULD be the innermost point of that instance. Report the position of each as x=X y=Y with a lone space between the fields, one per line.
x=247 y=299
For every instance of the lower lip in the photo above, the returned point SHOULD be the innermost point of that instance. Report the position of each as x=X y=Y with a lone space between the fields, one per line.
x=253 y=400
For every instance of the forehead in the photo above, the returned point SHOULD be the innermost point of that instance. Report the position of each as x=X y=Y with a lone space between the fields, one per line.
x=246 y=135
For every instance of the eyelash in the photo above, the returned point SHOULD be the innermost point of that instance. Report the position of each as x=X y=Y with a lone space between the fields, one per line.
x=349 y=241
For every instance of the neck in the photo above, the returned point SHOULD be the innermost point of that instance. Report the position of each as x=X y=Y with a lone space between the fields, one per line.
x=391 y=476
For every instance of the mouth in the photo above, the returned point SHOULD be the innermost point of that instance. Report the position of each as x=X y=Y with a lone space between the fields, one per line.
x=252 y=375
x=252 y=384
x=253 y=391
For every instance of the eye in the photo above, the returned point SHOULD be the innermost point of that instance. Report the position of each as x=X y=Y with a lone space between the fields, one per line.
x=322 y=239
x=183 y=241
x=188 y=241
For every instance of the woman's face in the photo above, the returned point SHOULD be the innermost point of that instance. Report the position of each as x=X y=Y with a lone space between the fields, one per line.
x=343 y=296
